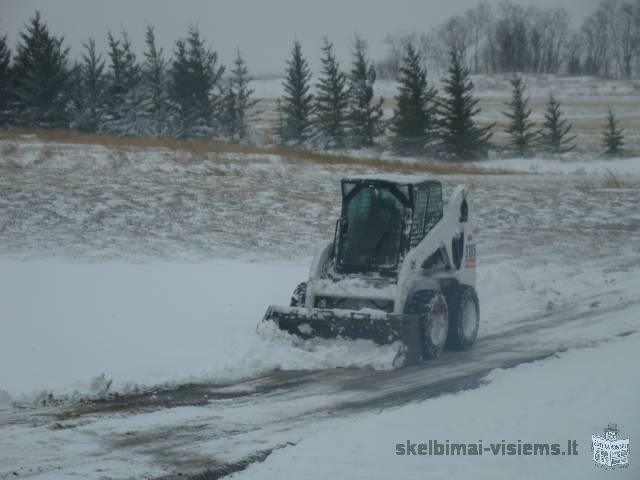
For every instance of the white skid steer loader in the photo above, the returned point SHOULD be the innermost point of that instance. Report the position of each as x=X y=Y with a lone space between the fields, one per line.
x=401 y=268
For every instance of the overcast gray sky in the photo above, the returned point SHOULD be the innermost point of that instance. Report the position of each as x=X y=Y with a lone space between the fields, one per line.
x=262 y=29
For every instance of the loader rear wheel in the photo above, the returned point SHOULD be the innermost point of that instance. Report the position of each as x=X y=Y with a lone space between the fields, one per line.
x=299 y=297
x=464 y=318
x=434 y=321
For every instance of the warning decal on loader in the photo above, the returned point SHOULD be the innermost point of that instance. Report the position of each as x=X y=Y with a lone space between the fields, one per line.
x=470 y=256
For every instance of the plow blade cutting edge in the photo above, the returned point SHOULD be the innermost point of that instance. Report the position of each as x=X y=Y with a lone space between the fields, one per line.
x=380 y=327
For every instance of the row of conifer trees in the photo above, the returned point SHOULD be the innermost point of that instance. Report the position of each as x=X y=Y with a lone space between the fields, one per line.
x=187 y=95
x=345 y=112
x=192 y=95
x=555 y=135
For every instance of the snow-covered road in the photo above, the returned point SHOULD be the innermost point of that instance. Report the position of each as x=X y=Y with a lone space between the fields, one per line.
x=130 y=297
x=225 y=427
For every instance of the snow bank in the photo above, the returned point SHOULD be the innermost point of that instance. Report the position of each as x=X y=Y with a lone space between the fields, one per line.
x=104 y=327
x=527 y=403
x=70 y=327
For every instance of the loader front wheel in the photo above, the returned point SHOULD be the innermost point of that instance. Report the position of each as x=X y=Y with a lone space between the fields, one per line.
x=464 y=319
x=299 y=297
x=434 y=321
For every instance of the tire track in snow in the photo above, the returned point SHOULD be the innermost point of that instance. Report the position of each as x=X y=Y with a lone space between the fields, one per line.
x=259 y=414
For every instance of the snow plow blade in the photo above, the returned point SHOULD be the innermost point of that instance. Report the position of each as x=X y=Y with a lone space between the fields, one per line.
x=380 y=327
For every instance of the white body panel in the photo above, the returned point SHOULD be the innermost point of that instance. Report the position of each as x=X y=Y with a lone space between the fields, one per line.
x=411 y=277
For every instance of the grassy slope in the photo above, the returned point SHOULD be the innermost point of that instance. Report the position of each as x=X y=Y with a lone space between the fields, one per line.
x=198 y=149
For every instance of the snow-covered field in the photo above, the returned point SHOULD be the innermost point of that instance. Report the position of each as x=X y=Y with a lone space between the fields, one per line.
x=151 y=324
x=538 y=86
x=544 y=402
x=151 y=272
x=619 y=168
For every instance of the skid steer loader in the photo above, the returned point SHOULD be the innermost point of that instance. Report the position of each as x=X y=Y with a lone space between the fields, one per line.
x=401 y=268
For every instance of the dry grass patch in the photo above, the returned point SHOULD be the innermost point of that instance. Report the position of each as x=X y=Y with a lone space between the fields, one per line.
x=609 y=181
x=201 y=149
x=9 y=149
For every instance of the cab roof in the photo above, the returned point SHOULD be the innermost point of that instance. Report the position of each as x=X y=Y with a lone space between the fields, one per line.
x=397 y=179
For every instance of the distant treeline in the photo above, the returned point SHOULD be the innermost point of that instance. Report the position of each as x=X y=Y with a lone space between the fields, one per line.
x=185 y=96
x=189 y=94
x=514 y=38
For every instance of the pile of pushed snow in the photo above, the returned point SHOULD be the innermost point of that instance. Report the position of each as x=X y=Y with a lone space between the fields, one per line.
x=271 y=349
x=101 y=328
x=111 y=327
x=276 y=349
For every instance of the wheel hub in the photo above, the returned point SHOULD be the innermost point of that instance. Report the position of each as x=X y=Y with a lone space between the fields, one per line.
x=438 y=324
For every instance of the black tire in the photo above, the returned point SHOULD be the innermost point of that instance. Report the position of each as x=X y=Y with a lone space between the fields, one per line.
x=464 y=317
x=434 y=321
x=299 y=297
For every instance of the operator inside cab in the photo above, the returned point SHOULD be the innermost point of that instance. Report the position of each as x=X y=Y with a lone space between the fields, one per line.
x=383 y=232
x=374 y=225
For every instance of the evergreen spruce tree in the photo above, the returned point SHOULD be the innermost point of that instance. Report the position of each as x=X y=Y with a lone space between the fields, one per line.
x=155 y=87
x=132 y=113
x=520 y=127
x=206 y=77
x=195 y=87
x=613 y=140
x=116 y=87
x=413 y=120
x=91 y=102
x=125 y=111
x=462 y=138
x=230 y=119
x=41 y=77
x=6 y=81
x=75 y=105
x=555 y=137
x=297 y=102
x=331 y=100
x=179 y=99
x=364 y=117
x=239 y=101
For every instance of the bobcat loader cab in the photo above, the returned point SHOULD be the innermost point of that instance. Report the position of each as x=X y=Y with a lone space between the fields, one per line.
x=401 y=268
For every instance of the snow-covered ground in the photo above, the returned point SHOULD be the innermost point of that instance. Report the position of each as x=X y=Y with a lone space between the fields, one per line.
x=165 y=323
x=152 y=270
x=553 y=401
x=307 y=427
x=97 y=202
x=67 y=324
x=618 y=167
